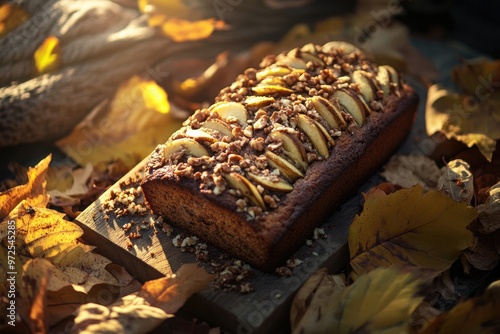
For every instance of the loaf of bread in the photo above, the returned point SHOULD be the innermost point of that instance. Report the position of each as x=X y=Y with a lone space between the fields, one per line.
x=280 y=150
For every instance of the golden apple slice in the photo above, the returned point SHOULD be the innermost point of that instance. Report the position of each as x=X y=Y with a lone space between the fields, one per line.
x=259 y=101
x=393 y=74
x=287 y=169
x=325 y=133
x=306 y=124
x=292 y=146
x=352 y=105
x=200 y=135
x=271 y=90
x=278 y=81
x=330 y=113
x=310 y=57
x=277 y=71
x=279 y=185
x=189 y=145
x=231 y=109
x=293 y=62
x=246 y=187
x=384 y=79
x=366 y=86
x=218 y=125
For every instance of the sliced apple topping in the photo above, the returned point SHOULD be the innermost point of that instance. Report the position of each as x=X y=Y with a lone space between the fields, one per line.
x=307 y=124
x=259 y=101
x=188 y=145
x=218 y=125
x=310 y=57
x=246 y=187
x=292 y=146
x=393 y=75
x=293 y=62
x=277 y=71
x=274 y=183
x=226 y=110
x=384 y=79
x=271 y=90
x=200 y=135
x=325 y=133
x=287 y=169
x=352 y=104
x=279 y=81
x=366 y=85
x=330 y=113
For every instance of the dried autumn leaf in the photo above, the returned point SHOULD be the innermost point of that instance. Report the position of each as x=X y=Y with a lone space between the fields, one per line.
x=33 y=301
x=468 y=119
x=480 y=78
x=11 y=16
x=136 y=120
x=409 y=170
x=33 y=191
x=180 y=30
x=309 y=301
x=378 y=302
x=48 y=56
x=143 y=311
x=409 y=227
x=456 y=181
x=67 y=185
x=477 y=315
x=489 y=212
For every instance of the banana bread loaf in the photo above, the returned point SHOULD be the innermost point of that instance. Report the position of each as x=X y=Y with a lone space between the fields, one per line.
x=280 y=150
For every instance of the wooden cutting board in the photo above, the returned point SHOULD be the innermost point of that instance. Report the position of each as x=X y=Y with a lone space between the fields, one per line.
x=266 y=310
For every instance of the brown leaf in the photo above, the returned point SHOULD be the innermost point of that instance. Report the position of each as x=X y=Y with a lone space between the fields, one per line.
x=407 y=171
x=308 y=302
x=483 y=255
x=143 y=311
x=477 y=315
x=33 y=302
x=66 y=186
x=33 y=191
x=489 y=212
x=170 y=293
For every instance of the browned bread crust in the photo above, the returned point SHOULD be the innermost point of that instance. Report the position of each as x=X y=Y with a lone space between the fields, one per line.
x=214 y=196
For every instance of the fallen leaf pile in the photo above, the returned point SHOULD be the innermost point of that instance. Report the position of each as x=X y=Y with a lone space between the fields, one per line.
x=402 y=246
x=57 y=277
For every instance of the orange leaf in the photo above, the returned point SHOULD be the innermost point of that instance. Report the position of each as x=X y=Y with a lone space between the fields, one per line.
x=182 y=31
x=48 y=56
x=11 y=16
x=33 y=191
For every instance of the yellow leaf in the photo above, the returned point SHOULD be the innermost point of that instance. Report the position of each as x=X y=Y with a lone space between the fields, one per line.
x=48 y=56
x=479 y=78
x=11 y=16
x=378 y=302
x=144 y=310
x=409 y=227
x=158 y=11
x=470 y=120
x=480 y=315
x=180 y=30
x=33 y=191
x=127 y=129
x=38 y=230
